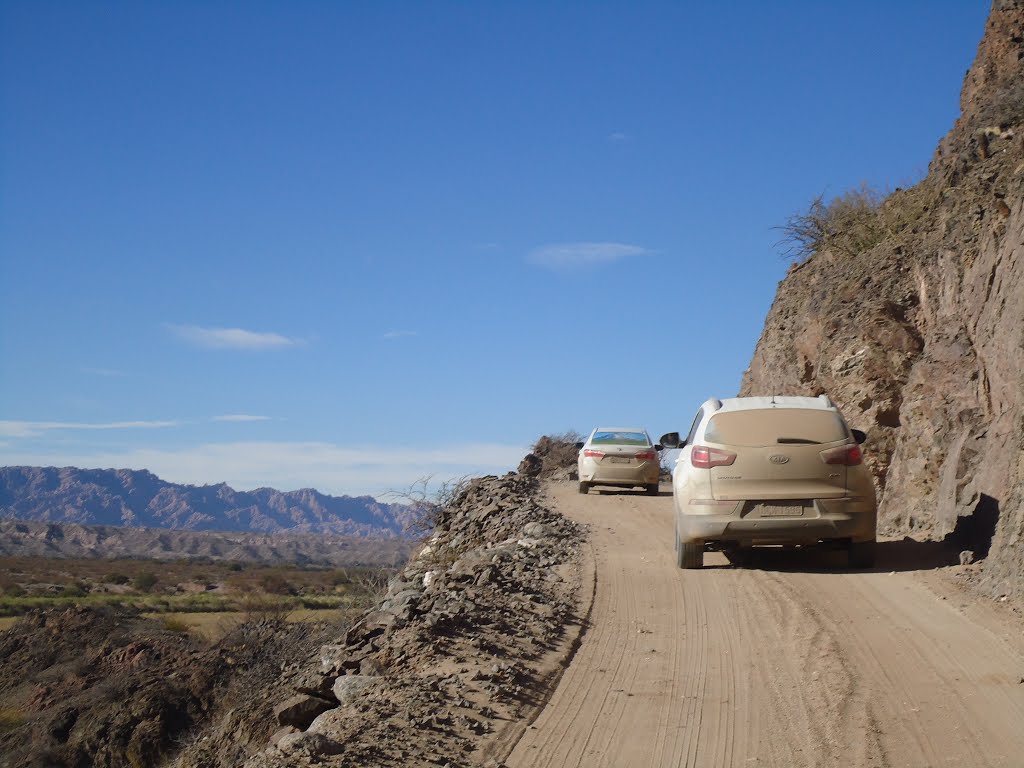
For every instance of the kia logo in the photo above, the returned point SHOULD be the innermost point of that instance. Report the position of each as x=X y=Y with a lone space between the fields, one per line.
x=778 y=458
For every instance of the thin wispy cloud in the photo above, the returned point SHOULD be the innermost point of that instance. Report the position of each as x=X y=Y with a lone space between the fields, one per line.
x=579 y=255
x=617 y=136
x=240 y=417
x=35 y=428
x=231 y=338
x=399 y=334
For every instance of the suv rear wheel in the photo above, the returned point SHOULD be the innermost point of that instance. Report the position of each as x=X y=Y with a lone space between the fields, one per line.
x=689 y=554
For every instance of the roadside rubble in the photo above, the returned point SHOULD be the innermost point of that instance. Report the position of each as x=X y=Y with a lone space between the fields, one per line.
x=458 y=656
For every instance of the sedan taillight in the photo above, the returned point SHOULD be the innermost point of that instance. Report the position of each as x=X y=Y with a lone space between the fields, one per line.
x=848 y=455
x=703 y=457
x=651 y=455
x=593 y=454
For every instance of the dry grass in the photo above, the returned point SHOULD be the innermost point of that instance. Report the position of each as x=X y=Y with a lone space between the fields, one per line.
x=214 y=626
x=10 y=718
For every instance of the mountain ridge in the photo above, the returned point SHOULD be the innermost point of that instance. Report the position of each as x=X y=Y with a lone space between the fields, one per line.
x=140 y=499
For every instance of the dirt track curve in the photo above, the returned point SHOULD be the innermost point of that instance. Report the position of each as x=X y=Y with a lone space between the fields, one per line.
x=795 y=661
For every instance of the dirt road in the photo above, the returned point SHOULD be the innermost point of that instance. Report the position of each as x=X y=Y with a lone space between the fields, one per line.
x=794 y=661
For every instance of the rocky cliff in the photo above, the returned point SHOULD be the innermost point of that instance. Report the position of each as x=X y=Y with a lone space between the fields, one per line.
x=140 y=499
x=919 y=335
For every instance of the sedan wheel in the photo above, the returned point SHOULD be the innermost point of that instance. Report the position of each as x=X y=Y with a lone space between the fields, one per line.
x=584 y=487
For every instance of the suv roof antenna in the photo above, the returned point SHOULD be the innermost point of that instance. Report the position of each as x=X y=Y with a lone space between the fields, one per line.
x=773 y=399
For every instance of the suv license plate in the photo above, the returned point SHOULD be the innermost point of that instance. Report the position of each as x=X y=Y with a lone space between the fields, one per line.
x=780 y=510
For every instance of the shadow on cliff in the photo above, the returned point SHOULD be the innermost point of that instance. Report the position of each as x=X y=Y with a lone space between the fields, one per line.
x=975 y=531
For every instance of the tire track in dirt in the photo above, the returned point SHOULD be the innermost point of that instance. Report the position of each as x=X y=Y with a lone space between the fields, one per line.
x=786 y=664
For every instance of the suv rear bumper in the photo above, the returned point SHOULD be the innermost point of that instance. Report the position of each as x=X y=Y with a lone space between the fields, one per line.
x=829 y=519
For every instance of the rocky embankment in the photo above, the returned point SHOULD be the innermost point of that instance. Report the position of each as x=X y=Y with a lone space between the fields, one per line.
x=460 y=653
x=920 y=337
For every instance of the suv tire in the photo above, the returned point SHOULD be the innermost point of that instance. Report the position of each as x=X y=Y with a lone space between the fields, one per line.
x=689 y=554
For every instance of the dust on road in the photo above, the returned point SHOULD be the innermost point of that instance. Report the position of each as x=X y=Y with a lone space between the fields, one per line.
x=796 y=661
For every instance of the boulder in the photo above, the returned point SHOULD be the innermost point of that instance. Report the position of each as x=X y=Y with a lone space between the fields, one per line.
x=348 y=688
x=299 y=711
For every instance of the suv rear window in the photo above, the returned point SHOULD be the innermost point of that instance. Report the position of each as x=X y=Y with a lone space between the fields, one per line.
x=772 y=426
x=620 y=438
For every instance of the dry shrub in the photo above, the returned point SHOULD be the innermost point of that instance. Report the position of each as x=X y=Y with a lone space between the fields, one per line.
x=174 y=624
x=10 y=718
x=264 y=608
x=425 y=503
x=275 y=584
x=855 y=221
x=145 y=581
x=848 y=223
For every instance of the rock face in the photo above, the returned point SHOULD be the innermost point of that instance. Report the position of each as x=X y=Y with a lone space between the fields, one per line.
x=463 y=644
x=140 y=499
x=920 y=339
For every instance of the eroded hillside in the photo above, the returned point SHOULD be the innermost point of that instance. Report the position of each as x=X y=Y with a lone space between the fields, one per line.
x=920 y=337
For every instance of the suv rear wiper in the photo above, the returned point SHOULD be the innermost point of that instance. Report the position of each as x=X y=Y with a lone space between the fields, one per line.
x=797 y=441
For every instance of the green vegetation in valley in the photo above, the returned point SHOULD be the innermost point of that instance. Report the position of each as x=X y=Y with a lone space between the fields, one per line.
x=181 y=586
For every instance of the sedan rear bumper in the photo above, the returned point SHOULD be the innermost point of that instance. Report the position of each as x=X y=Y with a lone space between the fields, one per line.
x=646 y=473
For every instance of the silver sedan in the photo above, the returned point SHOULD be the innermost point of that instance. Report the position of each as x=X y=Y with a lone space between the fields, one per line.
x=619 y=456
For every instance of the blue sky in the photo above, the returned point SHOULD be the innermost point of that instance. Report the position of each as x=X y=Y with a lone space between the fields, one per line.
x=347 y=245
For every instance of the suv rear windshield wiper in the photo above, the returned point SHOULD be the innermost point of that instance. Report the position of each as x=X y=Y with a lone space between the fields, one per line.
x=797 y=441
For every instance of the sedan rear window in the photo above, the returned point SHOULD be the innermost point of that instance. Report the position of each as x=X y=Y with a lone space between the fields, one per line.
x=775 y=426
x=620 y=438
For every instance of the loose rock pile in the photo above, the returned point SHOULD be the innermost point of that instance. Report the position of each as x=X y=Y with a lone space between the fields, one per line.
x=459 y=653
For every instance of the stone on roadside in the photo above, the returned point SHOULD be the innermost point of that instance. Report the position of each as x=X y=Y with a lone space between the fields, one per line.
x=301 y=710
x=347 y=688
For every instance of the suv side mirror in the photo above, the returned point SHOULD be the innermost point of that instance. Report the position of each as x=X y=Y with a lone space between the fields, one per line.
x=670 y=440
x=859 y=436
x=659 y=447
x=579 y=446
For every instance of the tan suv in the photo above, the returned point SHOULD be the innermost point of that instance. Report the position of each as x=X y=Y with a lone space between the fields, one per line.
x=771 y=470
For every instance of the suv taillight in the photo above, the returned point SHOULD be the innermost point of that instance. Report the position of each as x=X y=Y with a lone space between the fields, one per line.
x=703 y=457
x=848 y=455
x=594 y=454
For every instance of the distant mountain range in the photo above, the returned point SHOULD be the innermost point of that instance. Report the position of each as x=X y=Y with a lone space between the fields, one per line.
x=140 y=499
